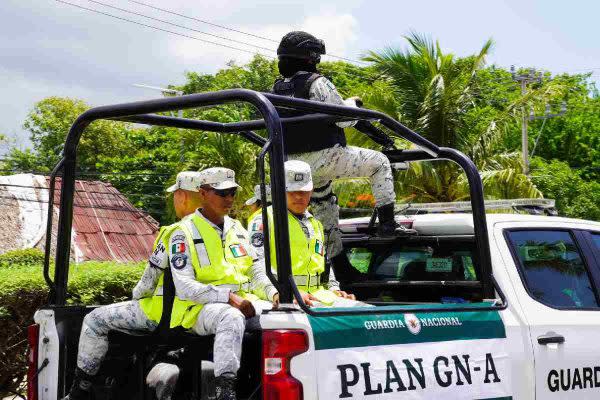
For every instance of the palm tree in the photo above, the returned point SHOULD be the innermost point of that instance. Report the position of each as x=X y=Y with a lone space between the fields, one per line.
x=433 y=88
x=430 y=91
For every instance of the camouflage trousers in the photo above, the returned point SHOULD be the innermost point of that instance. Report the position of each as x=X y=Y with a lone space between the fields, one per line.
x=345 y=162
x=163 y=376
x=222 y=320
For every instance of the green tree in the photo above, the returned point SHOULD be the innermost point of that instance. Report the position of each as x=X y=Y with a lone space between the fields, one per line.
x=49 y=123
x=437 y=94
x=574 y=196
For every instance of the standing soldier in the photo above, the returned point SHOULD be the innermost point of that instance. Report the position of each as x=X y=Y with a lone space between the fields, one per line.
x=207 y=253
x=323 y=145
x=307 y=247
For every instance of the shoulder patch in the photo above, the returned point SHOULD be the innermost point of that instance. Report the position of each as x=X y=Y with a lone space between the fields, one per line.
x=179 y=261
x=178 y=247
x=329 y=84
x=157 y=255
x=257 y=239
x=178 y=238
x=238 y=250
x=257 y=225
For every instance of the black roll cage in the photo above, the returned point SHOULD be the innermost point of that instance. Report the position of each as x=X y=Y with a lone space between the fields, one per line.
x=143 y=112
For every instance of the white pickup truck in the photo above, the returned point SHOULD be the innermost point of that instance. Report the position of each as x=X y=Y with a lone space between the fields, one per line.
x=541 y=346
x=472 y=306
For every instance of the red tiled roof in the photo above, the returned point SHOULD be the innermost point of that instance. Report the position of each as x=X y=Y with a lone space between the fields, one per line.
x=106 y=226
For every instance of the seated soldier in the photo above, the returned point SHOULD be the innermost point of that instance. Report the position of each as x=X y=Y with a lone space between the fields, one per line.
x=255 y=203
x=307 y=247
x=209 y=257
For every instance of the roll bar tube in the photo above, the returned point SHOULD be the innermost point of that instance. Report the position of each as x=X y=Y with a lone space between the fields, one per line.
x=141 y=112
x=272 y=124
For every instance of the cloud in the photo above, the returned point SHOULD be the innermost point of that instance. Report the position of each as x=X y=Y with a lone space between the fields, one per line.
x=54 y=49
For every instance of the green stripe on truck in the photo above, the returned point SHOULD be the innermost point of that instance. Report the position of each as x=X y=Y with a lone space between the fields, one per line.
x=337 y=332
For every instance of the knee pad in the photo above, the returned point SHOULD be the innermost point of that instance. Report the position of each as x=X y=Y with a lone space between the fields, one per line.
x=322 y=194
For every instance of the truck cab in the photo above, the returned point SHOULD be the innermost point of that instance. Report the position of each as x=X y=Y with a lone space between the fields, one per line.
x=472 y=306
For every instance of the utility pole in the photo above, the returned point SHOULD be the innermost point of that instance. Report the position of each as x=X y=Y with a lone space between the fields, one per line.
x=525 y=79
x=547 y=115
x=179 y=112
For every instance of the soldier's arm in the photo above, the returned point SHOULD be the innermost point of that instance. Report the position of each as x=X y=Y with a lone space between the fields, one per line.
x=260 y=283
x=332 y=283
x=323 y=90
x=184 y=278
x=157 y=262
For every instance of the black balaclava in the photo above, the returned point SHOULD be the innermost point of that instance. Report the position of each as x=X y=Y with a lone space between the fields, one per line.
x=289 y=66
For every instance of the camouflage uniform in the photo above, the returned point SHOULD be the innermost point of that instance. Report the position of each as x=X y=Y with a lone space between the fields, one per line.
x=216 y=317
x=342 y=162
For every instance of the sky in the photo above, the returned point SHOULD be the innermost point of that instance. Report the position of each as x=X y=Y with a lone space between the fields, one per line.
x=49 y=48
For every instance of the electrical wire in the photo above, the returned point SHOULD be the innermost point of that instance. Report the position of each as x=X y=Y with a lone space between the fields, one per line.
x=181 y=26
x=231 y=29
x=160 y=29
x=347 y=73
x=202 y=21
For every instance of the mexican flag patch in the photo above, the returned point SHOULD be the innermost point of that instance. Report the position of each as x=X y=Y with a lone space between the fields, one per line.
x=238 y=250
x=178 y=248
x=257 y=226
x=319 y=248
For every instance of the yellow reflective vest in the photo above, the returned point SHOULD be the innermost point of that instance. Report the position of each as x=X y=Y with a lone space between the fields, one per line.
x=215 y=261
x=307 y=256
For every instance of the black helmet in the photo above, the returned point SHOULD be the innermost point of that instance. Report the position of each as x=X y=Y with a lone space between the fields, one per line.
x=303 y=45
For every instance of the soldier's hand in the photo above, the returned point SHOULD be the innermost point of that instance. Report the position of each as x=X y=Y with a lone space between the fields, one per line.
x=276 y=300
x=344 y=295
x=308 y=299
x=242 y=304
x=357 y=100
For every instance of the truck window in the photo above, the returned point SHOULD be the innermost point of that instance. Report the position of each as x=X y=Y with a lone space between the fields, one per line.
x=553 y=269
x=448 y=261
x=596 y=240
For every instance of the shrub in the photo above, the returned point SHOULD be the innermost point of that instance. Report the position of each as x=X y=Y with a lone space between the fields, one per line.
x=22 y=257
x=23 y=290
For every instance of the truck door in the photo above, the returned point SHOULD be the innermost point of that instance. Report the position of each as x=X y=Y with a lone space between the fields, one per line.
x=560 y=275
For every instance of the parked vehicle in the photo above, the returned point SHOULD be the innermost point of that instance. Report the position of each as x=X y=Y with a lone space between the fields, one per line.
x=473 y=306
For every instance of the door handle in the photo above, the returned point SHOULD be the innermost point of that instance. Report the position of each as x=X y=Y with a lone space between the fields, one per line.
x=551 y=337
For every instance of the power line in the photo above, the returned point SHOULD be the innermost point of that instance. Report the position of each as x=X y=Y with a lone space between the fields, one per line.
x=181 y=26
x=230 y=29
x=347 y=73
x=202 y=21
x=160 y=29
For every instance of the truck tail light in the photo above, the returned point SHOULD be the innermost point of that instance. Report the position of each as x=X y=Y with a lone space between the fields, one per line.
x=33 y=334
x=407 y=223
x=279 y=347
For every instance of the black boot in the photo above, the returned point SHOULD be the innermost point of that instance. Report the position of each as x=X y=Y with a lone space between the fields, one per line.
x=81 y=389
x=225 y=387
x=387 y=223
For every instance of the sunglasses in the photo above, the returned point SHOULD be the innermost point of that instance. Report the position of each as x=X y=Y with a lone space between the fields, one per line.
x=225 y=192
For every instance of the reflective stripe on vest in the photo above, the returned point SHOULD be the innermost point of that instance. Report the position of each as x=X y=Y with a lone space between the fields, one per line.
x=198 y=243
x=244 y=287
